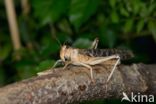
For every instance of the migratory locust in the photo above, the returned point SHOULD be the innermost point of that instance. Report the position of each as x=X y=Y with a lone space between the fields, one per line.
x=91 y=56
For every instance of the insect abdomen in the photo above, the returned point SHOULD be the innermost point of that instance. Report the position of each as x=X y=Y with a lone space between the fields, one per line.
x=124 y=54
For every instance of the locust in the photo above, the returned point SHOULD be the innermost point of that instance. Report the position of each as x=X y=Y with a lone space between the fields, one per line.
x=91 y=56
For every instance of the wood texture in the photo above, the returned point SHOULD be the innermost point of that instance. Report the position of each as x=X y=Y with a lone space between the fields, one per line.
x=74 y=85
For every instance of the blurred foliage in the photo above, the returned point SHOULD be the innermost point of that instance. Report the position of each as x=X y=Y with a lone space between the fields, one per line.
x=117 y=23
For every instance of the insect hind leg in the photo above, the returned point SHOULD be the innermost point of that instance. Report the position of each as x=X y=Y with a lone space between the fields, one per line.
x=95 y=44
x=110 y=75
x=99 y=60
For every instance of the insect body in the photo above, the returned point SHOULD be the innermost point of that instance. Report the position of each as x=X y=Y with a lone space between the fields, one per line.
x=89 y=57
x=92 y=56
x=124 y=54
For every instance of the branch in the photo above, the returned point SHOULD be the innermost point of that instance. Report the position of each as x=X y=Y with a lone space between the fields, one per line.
x=13 y=24
x=74 y=85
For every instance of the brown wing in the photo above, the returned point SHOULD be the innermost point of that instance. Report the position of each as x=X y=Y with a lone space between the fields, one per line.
x=124 y=54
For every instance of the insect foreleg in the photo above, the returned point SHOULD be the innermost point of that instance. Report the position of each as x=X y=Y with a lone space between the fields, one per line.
x=58 y=61
x=91 y=70
x=67 y=63
x=95 y=43
x=48 y=71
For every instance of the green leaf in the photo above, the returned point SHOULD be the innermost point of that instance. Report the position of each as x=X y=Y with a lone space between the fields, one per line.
x=152 y=8
x=82 y=43
x=128 y=6
x=136 y=6
x=25 y=68
x=144 y=11
x=152 y=28
x=65 y=26
x=112 y=3
x=26 y=71
x=140 y=25
x=24 y=63
x=50 y=10
x=101 y=19
x=114 y=17
x=128 y=25
x=81 y=11
x=44 y=65
x=48 y=46
x=107 y=37
x=124 y=12
x=4 y=51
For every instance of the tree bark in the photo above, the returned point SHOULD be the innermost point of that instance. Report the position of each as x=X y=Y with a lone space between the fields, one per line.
x=74 y=85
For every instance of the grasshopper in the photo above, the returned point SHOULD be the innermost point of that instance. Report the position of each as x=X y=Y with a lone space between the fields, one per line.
x=91 y=56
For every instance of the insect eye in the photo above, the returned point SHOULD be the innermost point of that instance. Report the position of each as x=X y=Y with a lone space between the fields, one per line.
x=65 y=58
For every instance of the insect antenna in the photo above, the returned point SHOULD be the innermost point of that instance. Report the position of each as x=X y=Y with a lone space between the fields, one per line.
x=67 y=42
x=58 y=41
